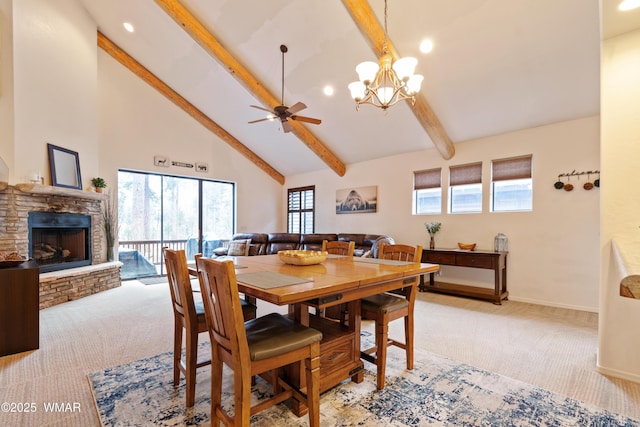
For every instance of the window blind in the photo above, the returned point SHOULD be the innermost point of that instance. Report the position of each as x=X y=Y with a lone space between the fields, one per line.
x=465 y=174
x=512 y=168
x=429 y=178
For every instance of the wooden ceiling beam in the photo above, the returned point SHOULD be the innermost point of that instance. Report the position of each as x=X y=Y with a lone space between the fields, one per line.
x=370 y=27
x=210 y=44
x=138 y=69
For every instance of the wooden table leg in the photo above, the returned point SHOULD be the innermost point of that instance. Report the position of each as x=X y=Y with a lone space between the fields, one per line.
x=354 y=325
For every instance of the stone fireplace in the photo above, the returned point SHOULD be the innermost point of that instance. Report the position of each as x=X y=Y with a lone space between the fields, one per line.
x=68 y=227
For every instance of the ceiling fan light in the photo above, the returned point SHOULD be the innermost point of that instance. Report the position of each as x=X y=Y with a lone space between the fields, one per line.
x=404 y=67
x=367 y=71
x=414 y=83
x=357 y=90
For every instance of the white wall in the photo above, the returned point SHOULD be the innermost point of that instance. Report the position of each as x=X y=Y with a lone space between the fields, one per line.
x=619 y=334
x=6 y=90
x=553 y=250
x=55 y=92
x=137 y=122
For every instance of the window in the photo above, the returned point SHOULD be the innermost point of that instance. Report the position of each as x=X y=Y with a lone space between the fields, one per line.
x=511 y=184
x=301 y=210
x=155 y=210
x=465 y=188
x=427 y=191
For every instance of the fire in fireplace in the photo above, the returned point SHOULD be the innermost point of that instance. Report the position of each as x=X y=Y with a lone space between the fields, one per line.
x=59 y=241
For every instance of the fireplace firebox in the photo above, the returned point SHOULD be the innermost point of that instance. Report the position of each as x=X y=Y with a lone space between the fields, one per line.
x=58 y=241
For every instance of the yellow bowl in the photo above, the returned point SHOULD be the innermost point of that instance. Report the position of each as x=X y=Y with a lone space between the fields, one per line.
x=301 y=257
x=467 y=246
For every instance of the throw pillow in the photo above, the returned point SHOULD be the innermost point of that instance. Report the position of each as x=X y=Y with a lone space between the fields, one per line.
x=239 y=247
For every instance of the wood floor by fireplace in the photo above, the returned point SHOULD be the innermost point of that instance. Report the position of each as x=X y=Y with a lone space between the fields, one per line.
x=59 y=241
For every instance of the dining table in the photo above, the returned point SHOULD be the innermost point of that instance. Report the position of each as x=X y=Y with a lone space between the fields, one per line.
x=307 y=289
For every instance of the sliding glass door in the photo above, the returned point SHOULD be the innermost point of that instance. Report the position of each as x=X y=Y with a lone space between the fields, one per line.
x=178 y=212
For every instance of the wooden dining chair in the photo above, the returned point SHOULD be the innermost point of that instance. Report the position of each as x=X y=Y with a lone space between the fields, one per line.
x=248 y=304
x=386 y=307
x=189 y=317
x=338 y=247
x=264 y=344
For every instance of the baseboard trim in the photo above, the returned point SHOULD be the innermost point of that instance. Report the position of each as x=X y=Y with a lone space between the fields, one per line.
x=553 y=304
x=618 y=374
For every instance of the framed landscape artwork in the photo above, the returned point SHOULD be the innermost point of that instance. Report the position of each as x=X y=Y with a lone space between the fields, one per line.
x=357 y=200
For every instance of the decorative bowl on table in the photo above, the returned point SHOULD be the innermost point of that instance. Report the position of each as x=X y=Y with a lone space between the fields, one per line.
x=302 y=257
x=467 y=246
x=11 y=259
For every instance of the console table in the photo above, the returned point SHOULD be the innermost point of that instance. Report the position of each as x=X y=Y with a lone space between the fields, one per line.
x=19 y=309
x=496 y=261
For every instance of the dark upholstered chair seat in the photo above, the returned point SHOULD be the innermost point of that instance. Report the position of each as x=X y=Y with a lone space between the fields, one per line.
x=384 y=303
x=248 y=309
x=271 y=335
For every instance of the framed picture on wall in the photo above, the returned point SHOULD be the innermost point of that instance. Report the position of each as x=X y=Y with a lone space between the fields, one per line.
x=65 y=167
x=357 y=200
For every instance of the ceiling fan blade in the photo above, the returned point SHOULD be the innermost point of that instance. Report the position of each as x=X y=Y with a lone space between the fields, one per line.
x=307 y=119
x=298 y=106
x=260 y=120
x=261 y=108
x=286 y=126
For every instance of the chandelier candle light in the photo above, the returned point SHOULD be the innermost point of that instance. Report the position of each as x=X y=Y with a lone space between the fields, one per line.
x=387 y=82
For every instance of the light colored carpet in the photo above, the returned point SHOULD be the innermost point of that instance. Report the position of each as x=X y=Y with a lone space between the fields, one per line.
x=548 y=347
x=437 y=392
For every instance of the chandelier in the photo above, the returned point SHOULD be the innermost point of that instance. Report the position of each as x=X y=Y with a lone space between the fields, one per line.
x=387 y=82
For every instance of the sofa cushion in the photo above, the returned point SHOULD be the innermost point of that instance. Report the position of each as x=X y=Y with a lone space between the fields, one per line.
x=283 y=242
x=313 y=241
x=239 y=247
x=258 y=242
x=350 y=237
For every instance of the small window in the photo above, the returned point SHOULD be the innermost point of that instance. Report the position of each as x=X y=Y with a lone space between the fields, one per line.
x=301 y=210
x=427 y=191
x=465 y=188
x=511 y=184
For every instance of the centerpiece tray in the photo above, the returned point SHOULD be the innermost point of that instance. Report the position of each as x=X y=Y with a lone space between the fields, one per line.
x=302 y=257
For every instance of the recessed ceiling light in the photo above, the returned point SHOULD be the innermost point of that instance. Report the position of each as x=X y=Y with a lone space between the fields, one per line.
x=426 y=46
x=328 y=90
x=629 y=4
x=127 y=26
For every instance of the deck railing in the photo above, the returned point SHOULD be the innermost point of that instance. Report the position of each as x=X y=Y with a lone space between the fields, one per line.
x=152 y=249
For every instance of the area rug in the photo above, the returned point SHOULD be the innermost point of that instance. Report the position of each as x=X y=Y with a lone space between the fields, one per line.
x=437 y=392
x=155 y=280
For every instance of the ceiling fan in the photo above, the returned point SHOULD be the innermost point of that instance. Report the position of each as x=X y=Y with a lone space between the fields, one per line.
x=283 y=112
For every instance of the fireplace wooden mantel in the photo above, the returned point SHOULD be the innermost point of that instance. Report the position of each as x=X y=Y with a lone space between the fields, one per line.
x=58 y=191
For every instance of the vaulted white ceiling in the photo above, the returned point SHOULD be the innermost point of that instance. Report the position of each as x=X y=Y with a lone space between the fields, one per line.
x=496 y=66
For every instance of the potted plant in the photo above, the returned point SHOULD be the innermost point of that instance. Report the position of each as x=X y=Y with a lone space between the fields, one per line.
x=98 y=183
x=432 y=229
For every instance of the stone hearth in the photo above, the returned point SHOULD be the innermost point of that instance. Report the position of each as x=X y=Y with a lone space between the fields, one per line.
x=16 y=201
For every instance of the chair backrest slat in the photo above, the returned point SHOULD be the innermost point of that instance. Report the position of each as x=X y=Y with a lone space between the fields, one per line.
x=338 y=247
x=222 y=306
x=400 y=252
x=180 y=283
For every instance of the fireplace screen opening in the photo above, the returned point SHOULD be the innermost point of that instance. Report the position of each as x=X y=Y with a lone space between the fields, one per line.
x=59 y=240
